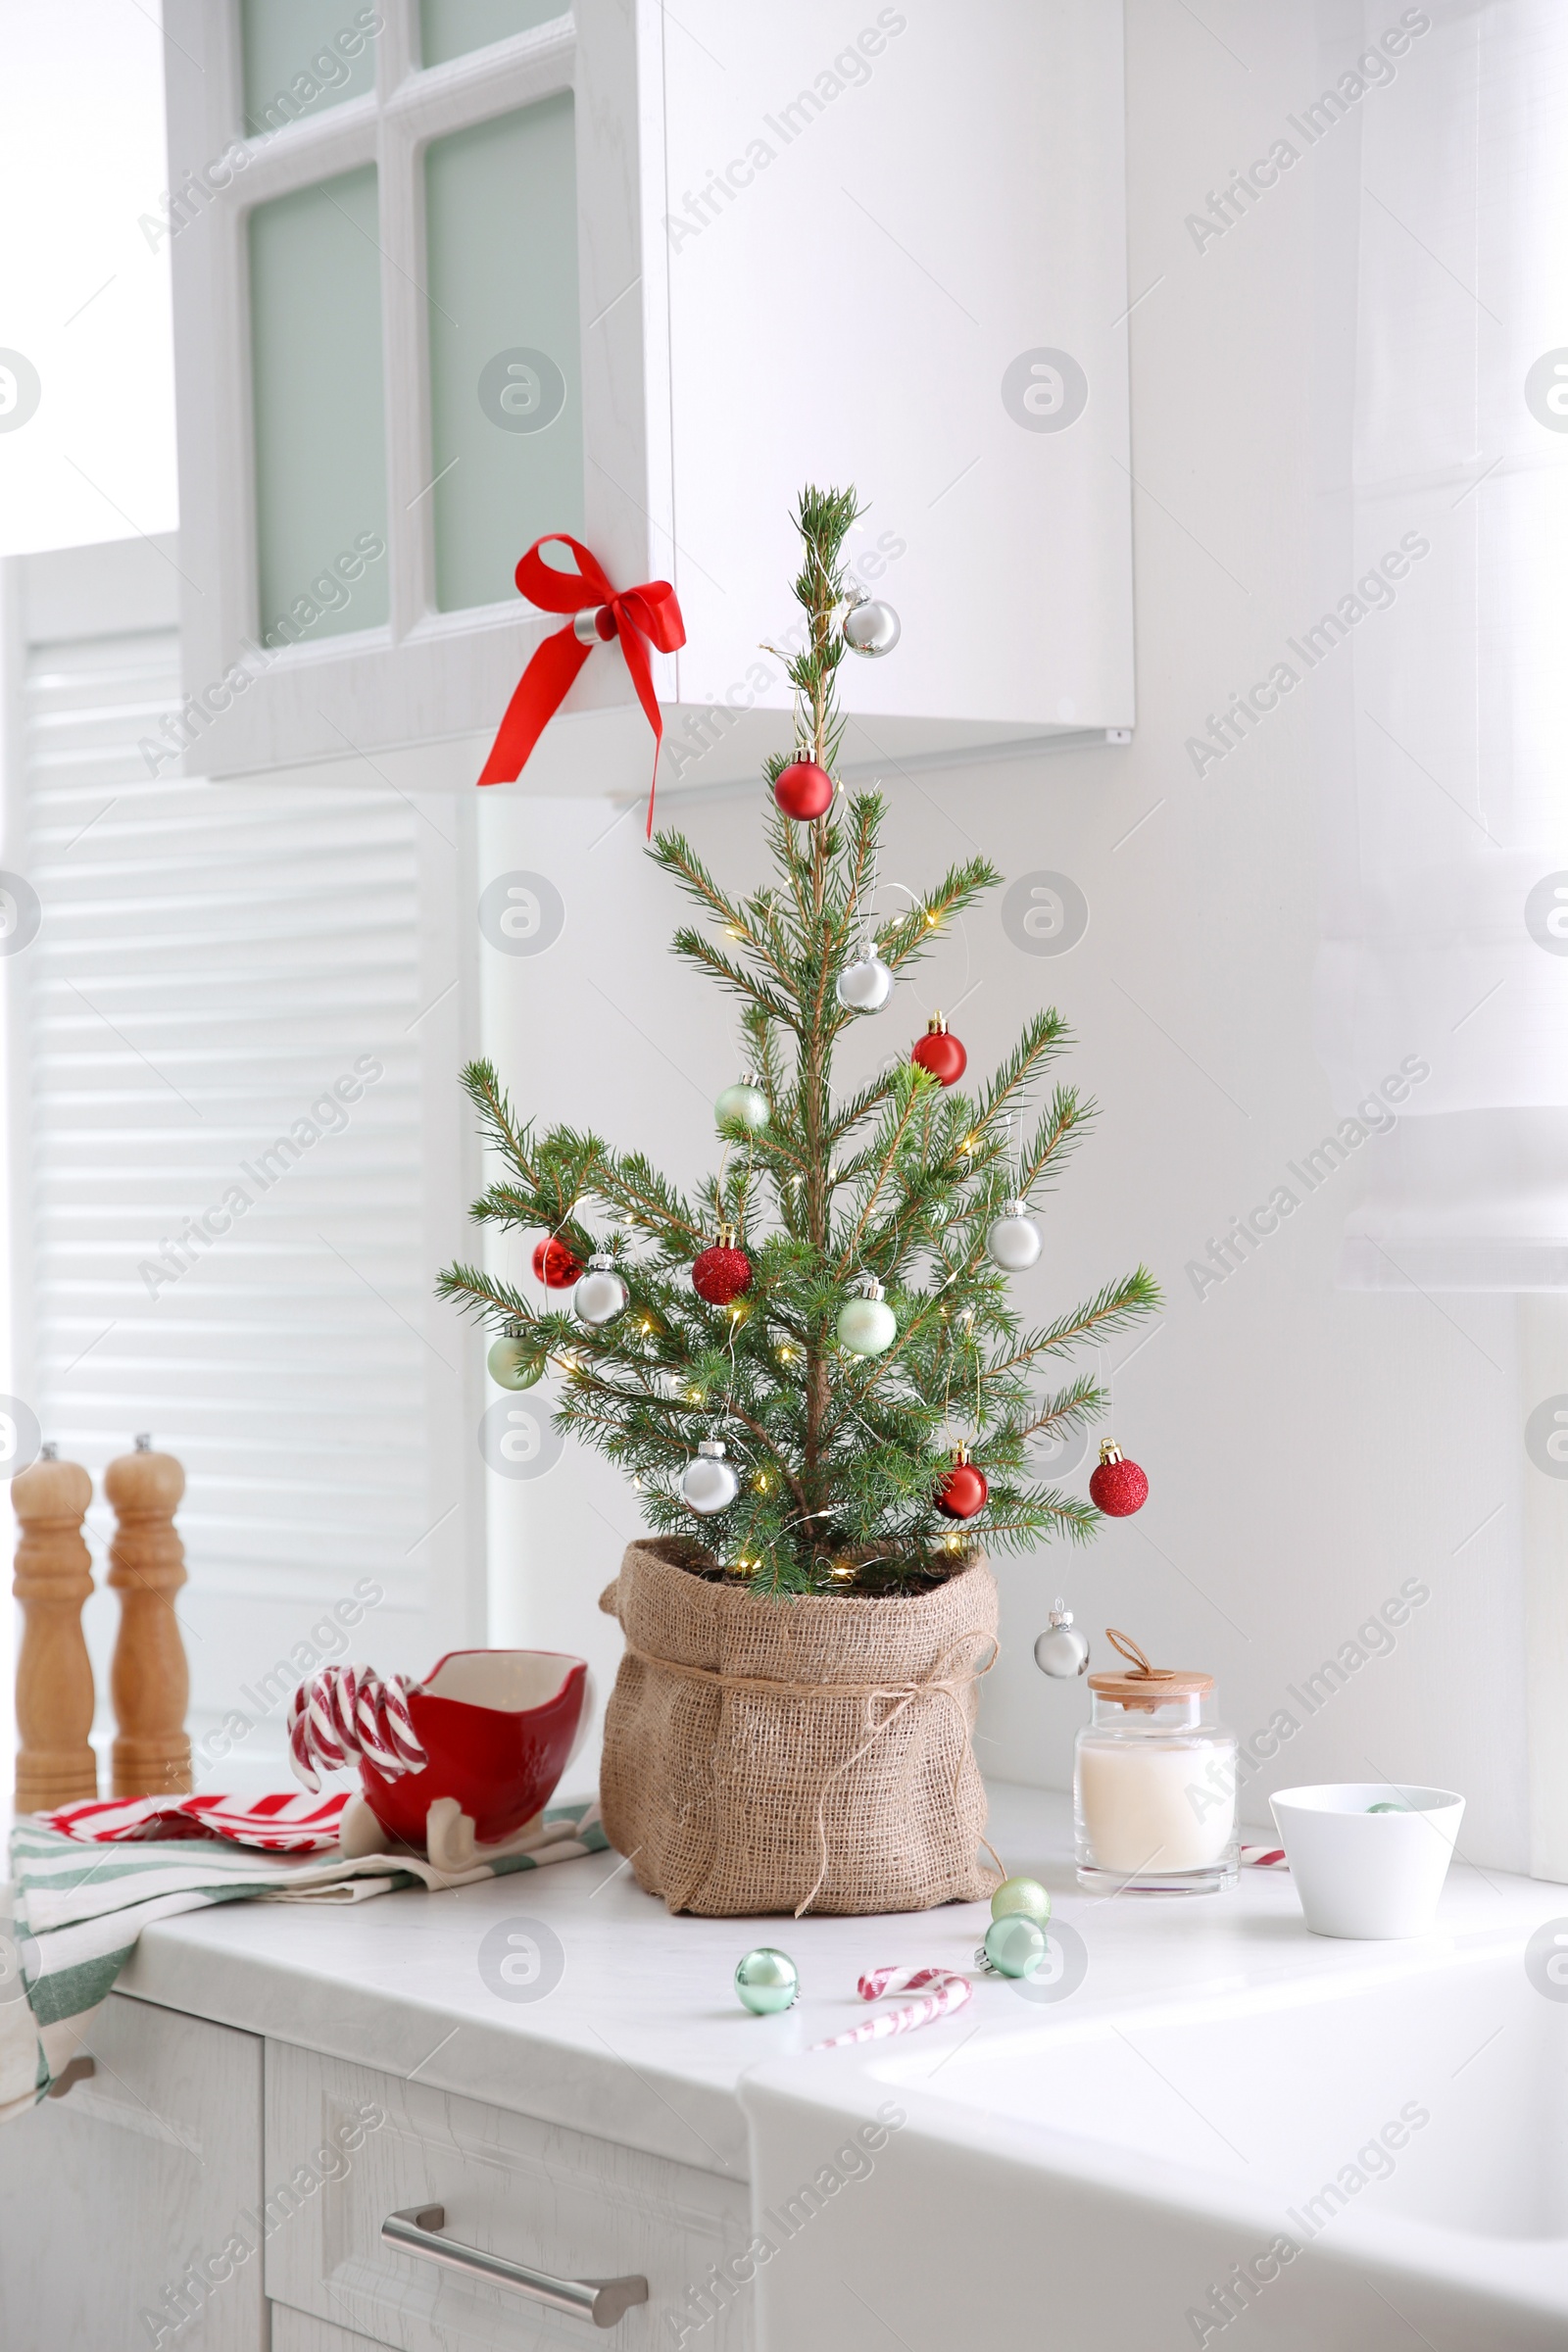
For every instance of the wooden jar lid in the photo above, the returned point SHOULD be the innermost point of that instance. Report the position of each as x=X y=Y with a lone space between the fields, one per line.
x=1145 y=1686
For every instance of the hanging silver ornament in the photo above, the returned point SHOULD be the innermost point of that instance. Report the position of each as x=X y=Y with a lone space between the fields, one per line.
x=1013 y=1241
x=866 y=1324
x=865 y=984
x=601 y=1294
x=1062 y=1650
x=709 y=1484
x=870 y=627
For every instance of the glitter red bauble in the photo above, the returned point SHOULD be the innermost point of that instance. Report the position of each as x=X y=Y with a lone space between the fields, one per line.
x=962 y=1492
x=720 y=1273
x=555 y=1265
x=803 y=790
x=940 y=1053
x=1118 y=1487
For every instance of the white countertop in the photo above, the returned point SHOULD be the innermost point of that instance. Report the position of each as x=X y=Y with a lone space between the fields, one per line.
x=642 y=2039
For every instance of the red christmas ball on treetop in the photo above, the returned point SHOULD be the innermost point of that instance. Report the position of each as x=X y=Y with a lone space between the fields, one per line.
x=1118 y=1487
x=940 y=1053
x=803 y=790
x=962 y=1490
x=555 y=1265
x=722 y=1271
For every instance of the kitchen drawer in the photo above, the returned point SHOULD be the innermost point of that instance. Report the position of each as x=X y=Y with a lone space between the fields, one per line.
x=558 y=2201
x=127 y=2206
x=297 y=2332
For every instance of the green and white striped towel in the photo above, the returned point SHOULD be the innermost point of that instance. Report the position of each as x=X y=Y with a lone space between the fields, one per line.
x=70 y=1920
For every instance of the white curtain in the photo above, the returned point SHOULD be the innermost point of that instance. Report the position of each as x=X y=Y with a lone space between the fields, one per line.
x=1443 y=714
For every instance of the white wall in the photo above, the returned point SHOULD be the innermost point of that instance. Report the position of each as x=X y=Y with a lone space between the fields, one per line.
x=86 y=307
x=1308 y=1449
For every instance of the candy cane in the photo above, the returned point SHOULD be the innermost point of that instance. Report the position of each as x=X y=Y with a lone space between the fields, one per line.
x=948 y=1992
x=341 y=1712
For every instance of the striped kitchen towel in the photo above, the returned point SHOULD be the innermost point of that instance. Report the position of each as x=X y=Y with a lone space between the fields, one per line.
x=288 y=1821
x=71 y=1916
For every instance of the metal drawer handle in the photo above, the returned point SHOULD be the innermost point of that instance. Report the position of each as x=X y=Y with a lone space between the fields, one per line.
x=412 y=2231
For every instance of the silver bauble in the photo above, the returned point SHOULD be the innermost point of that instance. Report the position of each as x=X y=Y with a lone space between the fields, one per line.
x=872 y=628
x=709 y=1484
x=1013 y=1241
x=601 y=1294
x=865 y=984
x=1062 y=1650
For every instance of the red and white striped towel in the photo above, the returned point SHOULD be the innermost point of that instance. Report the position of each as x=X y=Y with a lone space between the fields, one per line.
x=285 y=1823
x=1264 y=1857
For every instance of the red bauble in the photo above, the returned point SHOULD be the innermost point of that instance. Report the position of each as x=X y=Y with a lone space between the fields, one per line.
x=962 y=1490
x=1118 y=1487
x=940 y=1053
x=555 y=1265
x=721 y=1272
x=803 y=790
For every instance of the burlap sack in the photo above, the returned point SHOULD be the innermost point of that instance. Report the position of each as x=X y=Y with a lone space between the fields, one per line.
x=812 y=1753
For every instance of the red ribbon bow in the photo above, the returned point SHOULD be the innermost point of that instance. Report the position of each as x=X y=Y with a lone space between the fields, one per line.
x=649 y=613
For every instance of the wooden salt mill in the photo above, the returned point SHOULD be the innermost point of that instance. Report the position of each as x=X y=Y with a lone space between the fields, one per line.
x=149 y=1678
x=54 y=1762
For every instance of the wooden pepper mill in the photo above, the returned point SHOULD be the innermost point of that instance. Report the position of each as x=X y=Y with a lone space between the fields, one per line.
x=54 y=1762
x=149 y=1677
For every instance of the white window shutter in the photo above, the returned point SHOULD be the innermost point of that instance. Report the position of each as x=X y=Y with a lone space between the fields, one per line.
x=239 y=1156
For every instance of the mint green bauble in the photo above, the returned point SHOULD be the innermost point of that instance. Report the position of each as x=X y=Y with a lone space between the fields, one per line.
x=1015 y=1946
x=746 y=1102
x=514 y=1365
x=1387 y=1808
x=1025 y=1896
x=866 y=1323
x=768 y=1980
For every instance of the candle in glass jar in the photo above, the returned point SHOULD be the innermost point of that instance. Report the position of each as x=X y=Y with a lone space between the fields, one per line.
x=1155 y=1782
x=1151 y=1806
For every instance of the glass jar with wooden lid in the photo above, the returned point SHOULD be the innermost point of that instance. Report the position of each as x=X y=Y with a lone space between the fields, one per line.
x=1155 y=1782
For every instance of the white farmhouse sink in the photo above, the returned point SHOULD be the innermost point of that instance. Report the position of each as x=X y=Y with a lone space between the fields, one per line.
x=1462 y=2070
x=1086 y=2176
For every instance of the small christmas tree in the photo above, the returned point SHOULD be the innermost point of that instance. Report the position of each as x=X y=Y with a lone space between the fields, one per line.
x=841 y=1464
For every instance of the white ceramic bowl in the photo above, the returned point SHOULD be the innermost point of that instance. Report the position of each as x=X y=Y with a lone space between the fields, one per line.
x=1364 y=1874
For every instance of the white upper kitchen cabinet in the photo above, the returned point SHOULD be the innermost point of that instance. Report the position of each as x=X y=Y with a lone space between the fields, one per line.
x=450 y=274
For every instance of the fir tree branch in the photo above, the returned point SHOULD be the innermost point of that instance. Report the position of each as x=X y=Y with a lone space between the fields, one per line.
x=1049 y=1513
x=497 y=1123
x=861 y=1107
x=479 y=1293
x=702 y=952
x=629 y=1184
x=914 y=934
x=1112 y=1310
x=676 y=855
x=887 y=1156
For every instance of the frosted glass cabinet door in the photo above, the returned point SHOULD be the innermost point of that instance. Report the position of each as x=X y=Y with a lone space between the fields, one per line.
x=317 y=411
x=452 y=28
x=505 y=394
x=299 y=56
